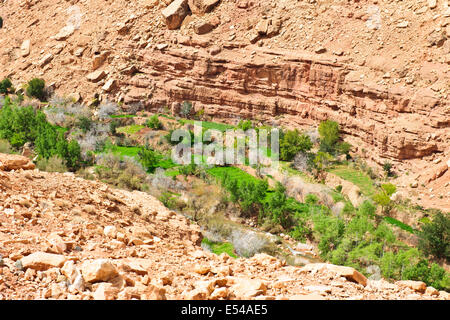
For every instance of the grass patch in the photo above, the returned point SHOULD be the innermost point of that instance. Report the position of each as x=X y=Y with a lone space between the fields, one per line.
x=399 y=224
x=233 y=172
x=356 y=177
x=132 y=129
x=210 y=125
x=220 y=247
x=123 y=116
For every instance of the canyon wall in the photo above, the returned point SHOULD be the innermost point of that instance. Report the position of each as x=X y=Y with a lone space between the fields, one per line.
x=295 y=89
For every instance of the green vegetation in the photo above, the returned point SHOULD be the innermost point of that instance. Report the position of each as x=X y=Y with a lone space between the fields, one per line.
x=123 y=116
x=220 y=247
x=399 y=224
x=292 y=142
x=206 y=125
x=19 y=125
x=35 y=88
x=131 y=129
x=5 y=146
x=356 y=177
x=383 y=198
x=435 y=237
x=5 y=86
x=154 y=123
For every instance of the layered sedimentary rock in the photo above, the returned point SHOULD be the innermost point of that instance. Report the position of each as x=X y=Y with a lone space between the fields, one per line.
x=294 y=89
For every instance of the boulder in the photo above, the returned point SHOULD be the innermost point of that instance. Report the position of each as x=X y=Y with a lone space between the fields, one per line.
x=105 y=291
x=98 y=270
x=96 y=76
x=25 y=48
x=417 y=286
x=202 y=6
x=42 y=261
x=175 y=13
x=247 y=288
x=15 y=162
x=64 y=33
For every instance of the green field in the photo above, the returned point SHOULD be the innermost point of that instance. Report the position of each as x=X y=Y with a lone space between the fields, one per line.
x=356 y=177
x=210 y=125
x=132 y=129
x=220 y=247
x=233 y=172
x=123 y=116
x=399 y=224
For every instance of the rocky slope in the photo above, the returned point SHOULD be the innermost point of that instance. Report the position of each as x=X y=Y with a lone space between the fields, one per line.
x=380 y=68
x=67 y=238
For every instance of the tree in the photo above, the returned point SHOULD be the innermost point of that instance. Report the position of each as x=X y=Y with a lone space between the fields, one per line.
x=149 y=159
x=154 y=123
x=383 y=198
x=5 y=86
x=245 y=125
x=329 y=135
x=387 y=167
x=35 y=88
x=292 y=143
x=434 y=237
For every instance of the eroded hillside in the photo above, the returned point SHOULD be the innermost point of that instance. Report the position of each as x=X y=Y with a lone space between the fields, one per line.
x=381 y=69
x=63 y=237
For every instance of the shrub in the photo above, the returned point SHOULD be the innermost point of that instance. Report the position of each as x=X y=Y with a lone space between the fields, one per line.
x=5 y=146
x=107 y=109
x=387 y=167
x=292 y=143
x=149 y=159
x=84 y=123
x=35 y=88
x=53 y=164
x=434 y=238
x=329 y=135
x=5 y=86
x=1 y=22
x=245 y=125
x=186 y=109
x=154 y=123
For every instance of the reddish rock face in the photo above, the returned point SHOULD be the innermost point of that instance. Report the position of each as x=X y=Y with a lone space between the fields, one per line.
x=299 y=89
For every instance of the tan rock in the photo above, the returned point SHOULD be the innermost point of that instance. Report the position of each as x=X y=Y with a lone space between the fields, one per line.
x=175 y=13
x=96 y=76
x=64 y=33
x=431 y=291
x=202 y=6
x=247 y=288
x=98 y=270
x=105 y=291
x=418 y=286
x=42 y=261
x=25 y=48
x=15 y=162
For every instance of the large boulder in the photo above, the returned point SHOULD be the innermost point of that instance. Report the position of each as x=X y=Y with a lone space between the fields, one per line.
x=42 y=261
x=15 y=162
x=175 y=13
x=202 y=6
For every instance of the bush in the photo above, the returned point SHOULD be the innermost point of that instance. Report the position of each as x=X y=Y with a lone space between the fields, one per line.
x=35 y=89
x=53 y=164
x=84 y=123
x=186 y=109
x=5 y=86
x=434 y=239
x=245 y=125
x=149 y=159
x=387 y=167
x=292 y=143
x=5 y=146
x=154 y=123
x=329 y=135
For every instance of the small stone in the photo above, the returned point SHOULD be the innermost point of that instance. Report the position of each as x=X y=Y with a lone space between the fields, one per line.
x=105 y=291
